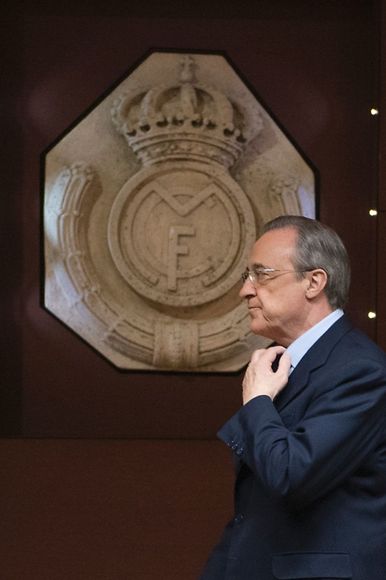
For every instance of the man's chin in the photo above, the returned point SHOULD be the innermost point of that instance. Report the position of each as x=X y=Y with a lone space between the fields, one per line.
x=261 y=329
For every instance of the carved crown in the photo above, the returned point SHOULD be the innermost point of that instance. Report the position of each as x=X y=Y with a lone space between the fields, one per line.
x=183 y=120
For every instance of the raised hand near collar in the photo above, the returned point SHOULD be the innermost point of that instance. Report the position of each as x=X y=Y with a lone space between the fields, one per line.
x=261 y=379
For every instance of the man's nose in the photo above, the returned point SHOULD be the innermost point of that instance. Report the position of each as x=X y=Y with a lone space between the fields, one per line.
x=247 y=289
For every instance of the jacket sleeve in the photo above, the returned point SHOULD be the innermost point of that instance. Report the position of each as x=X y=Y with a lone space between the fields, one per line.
x=342 y=425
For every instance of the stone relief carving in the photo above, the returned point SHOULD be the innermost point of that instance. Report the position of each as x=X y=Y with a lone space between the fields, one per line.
x=152 y=203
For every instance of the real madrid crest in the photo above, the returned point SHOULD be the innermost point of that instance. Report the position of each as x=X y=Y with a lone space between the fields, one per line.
x=146 y=265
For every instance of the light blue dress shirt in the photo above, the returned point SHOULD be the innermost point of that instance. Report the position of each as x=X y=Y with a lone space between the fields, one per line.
x=301 y=345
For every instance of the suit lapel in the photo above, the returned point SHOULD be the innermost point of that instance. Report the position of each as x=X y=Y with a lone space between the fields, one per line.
x=315 y=357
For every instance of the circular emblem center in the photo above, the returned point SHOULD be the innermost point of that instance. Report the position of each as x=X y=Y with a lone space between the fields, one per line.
x=178 y=237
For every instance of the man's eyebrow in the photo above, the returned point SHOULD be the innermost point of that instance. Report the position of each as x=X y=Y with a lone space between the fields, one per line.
x=258 y=265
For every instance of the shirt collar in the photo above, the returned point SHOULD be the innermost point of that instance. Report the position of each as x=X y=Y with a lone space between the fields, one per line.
x=301 y=345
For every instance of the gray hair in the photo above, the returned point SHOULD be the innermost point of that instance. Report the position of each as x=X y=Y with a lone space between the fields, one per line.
x=318 y=246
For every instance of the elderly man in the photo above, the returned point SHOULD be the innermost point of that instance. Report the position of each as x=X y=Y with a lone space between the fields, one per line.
x=310 y=439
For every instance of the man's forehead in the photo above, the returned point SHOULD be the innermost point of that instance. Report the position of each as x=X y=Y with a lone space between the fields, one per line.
x=275 y=244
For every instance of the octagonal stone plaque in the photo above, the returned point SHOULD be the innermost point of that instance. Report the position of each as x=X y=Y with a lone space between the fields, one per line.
x=151 y=205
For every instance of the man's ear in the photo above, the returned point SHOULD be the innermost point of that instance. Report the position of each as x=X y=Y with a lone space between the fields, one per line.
x=317 y=281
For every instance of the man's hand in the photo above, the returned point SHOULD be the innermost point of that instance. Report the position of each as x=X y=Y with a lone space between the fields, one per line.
x=259 y=377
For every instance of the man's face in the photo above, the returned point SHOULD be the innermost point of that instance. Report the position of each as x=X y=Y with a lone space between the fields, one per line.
x=277 y=305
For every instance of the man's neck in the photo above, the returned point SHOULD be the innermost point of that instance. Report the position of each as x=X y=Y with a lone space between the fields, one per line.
x=311 y=318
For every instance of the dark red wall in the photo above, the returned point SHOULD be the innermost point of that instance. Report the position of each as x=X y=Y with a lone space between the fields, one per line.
x=110 y=510
x=381 y=243
x=314 y=64
x=133 y=509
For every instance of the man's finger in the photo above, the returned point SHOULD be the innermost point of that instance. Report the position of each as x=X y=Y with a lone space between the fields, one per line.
x=273 y=351
x=284 y=363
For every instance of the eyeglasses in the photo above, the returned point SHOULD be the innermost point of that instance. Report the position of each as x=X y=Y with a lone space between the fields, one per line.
x=261 y=275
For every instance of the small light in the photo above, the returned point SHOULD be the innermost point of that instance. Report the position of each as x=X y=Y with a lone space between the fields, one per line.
x=373 y=212
x=374 y=111
x=372 y=314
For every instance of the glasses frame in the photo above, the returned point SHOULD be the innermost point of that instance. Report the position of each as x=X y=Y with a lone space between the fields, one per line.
x=261 y=275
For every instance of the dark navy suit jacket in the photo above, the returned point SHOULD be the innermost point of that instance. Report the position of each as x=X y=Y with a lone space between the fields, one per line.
x=310 y=494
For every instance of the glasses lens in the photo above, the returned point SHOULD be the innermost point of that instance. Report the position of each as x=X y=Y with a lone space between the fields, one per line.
x=247 y=275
